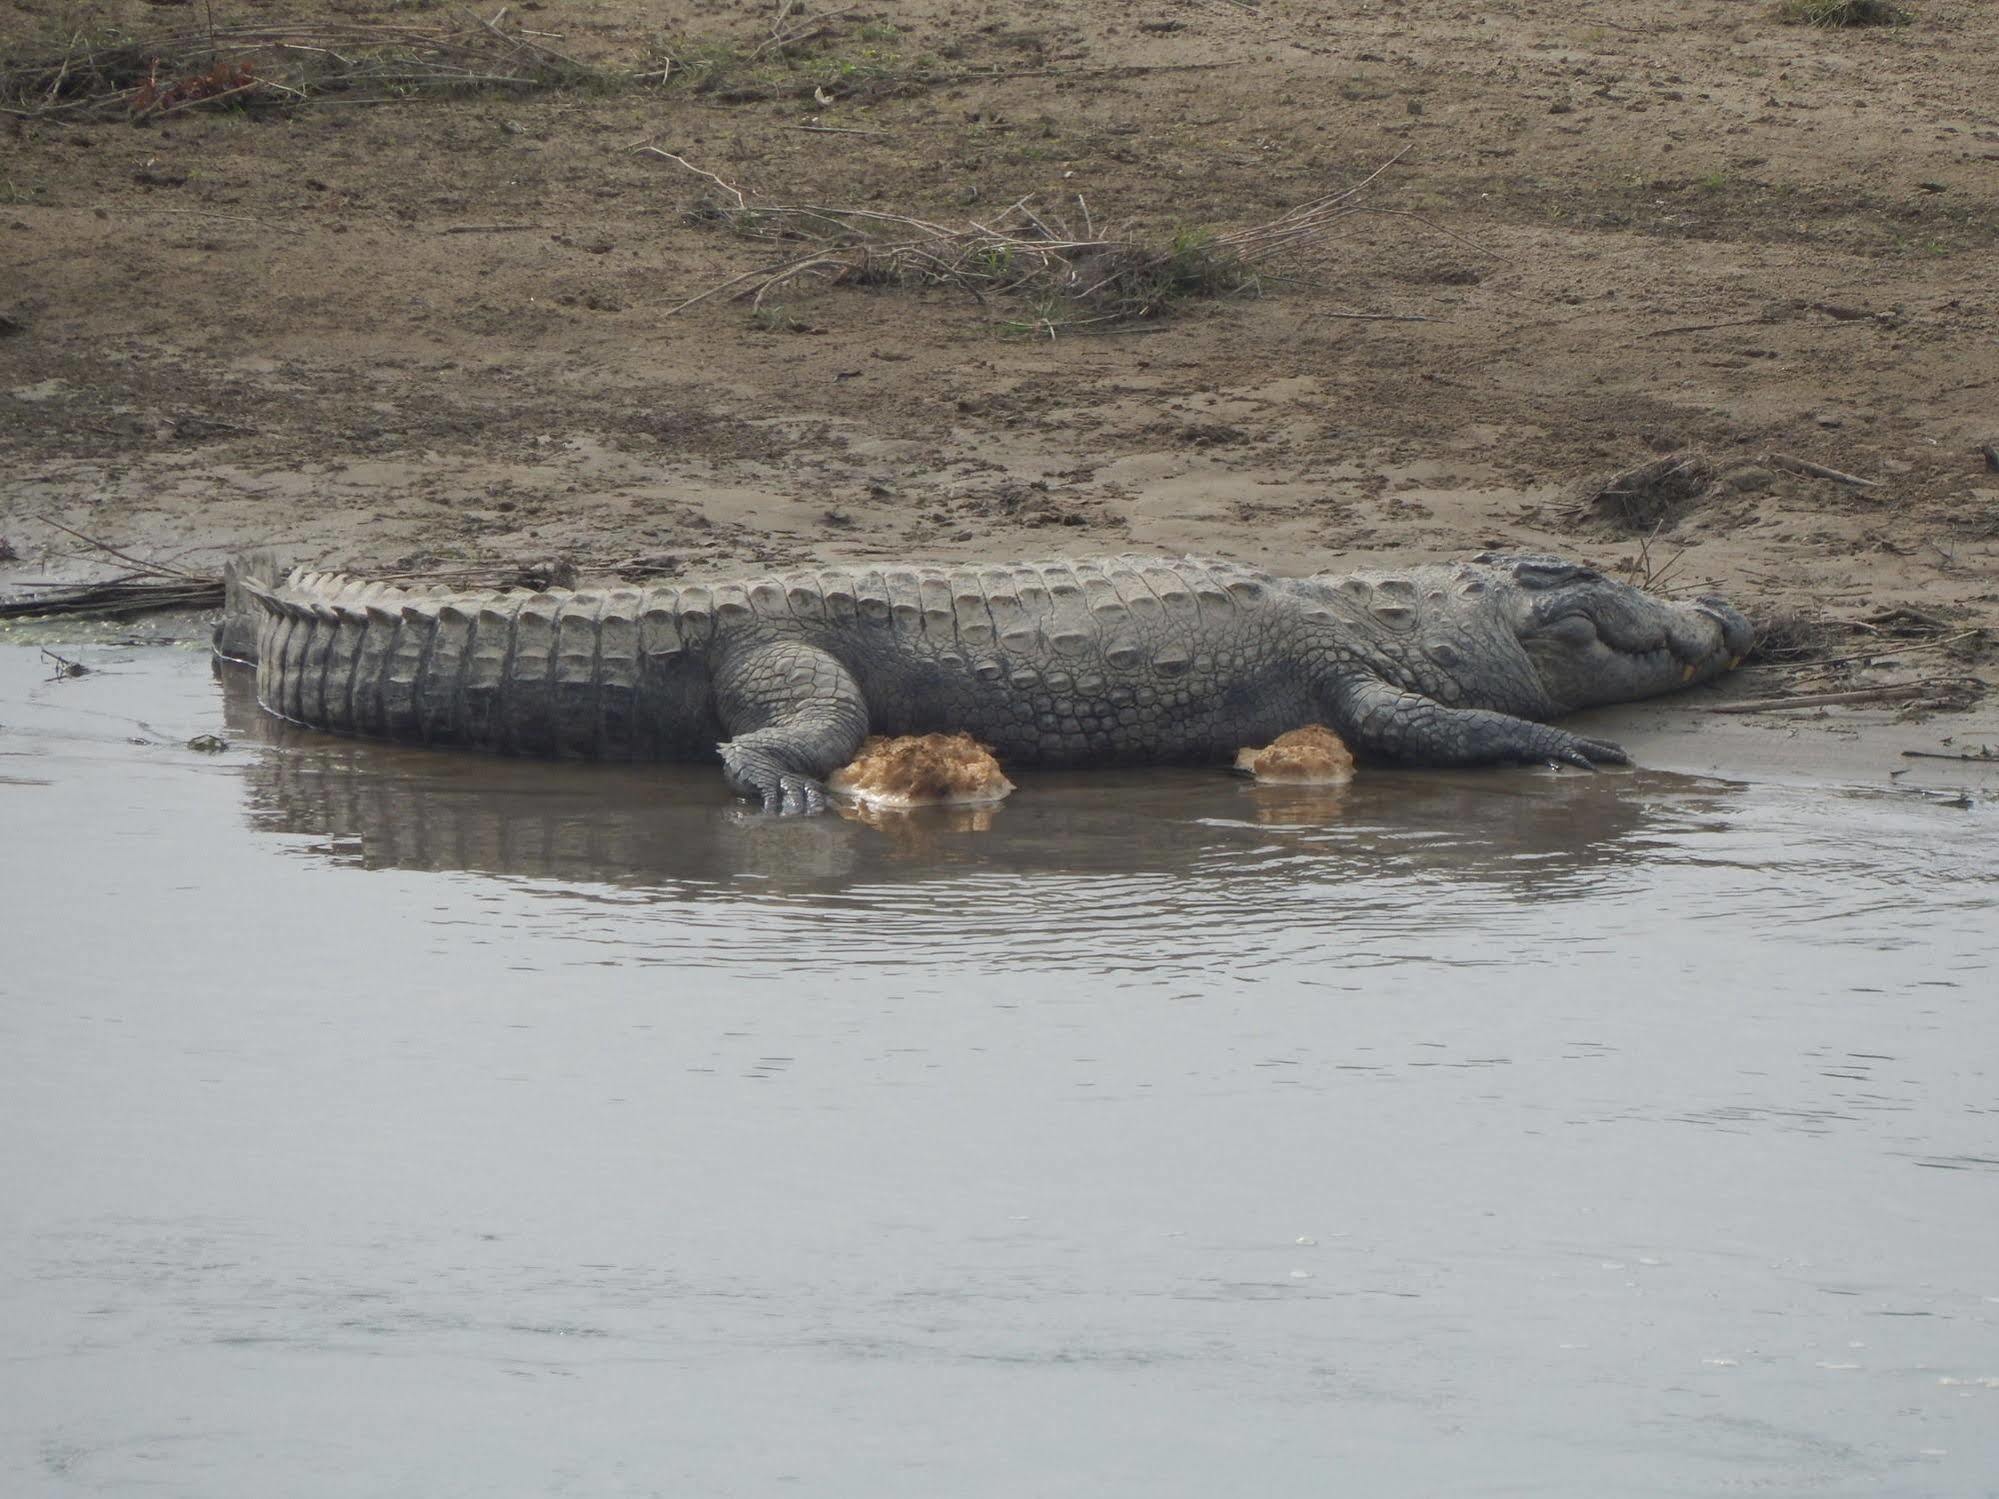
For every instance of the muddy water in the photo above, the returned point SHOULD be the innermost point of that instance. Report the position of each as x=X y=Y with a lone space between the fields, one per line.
x=380 y=1122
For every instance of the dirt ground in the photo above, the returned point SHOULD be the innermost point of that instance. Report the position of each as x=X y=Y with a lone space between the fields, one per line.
x=408 y=335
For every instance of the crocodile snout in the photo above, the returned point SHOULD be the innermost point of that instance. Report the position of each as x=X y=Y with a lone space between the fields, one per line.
x=1737 y=633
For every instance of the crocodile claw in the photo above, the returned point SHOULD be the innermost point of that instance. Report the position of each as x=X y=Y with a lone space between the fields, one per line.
x=757 y=777
x=1586 y=754
x=796 y=795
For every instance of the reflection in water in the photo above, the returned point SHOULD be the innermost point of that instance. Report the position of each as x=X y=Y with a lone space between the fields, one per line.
x=671 y=826
x=1169 y=871
x=1164 y=871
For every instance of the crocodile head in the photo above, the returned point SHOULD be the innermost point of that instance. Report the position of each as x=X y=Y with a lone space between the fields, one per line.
x=1594 y=640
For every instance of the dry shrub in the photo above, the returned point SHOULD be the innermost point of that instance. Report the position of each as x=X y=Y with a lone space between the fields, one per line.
x=1652 y=495
x=1844 y=13
x=119 y=77
x=1786 y=635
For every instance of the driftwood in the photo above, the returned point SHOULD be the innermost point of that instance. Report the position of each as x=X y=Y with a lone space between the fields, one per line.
x=1983 y=757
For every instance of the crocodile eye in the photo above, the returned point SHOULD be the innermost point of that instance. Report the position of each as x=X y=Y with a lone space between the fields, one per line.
x=1551 y=572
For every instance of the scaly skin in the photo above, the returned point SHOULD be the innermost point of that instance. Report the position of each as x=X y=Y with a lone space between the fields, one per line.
x=1126 y=660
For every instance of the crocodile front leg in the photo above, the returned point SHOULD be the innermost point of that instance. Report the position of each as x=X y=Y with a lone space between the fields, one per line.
x=794 y=715
x=1388 y=723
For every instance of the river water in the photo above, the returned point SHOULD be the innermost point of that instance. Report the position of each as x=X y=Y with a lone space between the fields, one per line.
x=383 y=1122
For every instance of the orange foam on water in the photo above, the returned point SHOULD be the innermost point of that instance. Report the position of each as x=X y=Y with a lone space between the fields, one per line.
x=922 y=770
x=1311 y=756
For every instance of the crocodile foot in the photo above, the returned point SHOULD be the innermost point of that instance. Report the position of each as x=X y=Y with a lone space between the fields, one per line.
x=760 y=778
x=1559 y=747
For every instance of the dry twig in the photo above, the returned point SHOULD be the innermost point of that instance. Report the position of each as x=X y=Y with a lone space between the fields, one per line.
x=146 y=569
x=1818 y=470
x=64 y=667
x=1898 y=650
x=1893 y=692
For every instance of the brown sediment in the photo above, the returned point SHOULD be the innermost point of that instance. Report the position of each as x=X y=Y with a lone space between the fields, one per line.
x=463 y=351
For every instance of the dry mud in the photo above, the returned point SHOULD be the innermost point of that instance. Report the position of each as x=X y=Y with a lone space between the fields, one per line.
x=413 y=335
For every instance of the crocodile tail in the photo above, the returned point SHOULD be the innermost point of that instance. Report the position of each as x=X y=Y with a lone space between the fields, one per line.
x=247 y=579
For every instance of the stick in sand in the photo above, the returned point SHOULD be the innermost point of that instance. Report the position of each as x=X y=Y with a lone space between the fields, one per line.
x=1893 y=693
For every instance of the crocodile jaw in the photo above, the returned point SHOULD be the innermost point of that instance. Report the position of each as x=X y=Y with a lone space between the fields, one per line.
x=1594 y=640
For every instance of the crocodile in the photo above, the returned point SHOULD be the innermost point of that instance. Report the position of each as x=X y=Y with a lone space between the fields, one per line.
x=1119 y=660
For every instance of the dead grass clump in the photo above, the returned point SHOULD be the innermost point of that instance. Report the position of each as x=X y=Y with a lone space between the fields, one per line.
x=1651 y=496
x=112 y=76
x=1844 y=13
x=796 y=64
x=1048 y=273
x=1810 y=638
x=1788 y=636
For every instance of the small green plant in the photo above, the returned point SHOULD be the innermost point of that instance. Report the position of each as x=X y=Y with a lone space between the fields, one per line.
x=1195 y=265
x=1715 y=181
x=775 y=317
x=993 y=260
x=1045 y=317
x=1844 y=13
x=868 y=65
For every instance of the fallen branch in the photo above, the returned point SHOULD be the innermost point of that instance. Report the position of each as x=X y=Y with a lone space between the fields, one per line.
x=734 y=192
x=1893 y=693
x=1738 y=322
x=1983 y=757
x=1817 y=470
x=110 y=209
